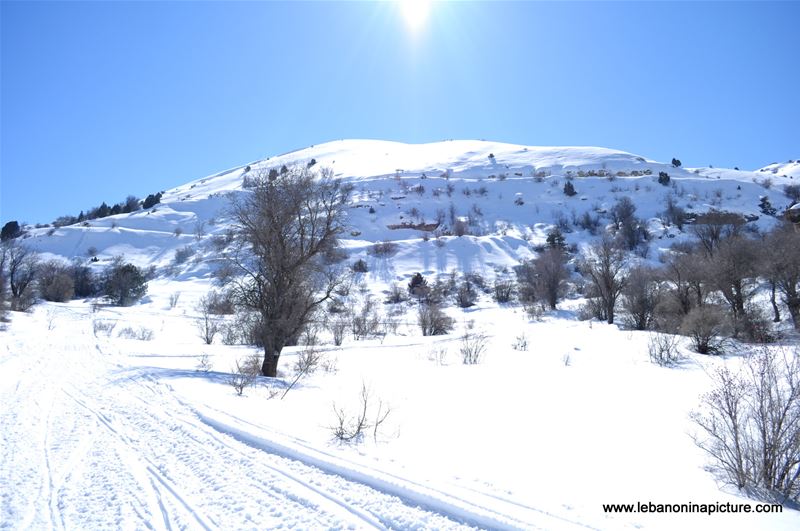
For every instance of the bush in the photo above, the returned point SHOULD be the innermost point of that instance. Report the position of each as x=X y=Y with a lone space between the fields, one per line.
x=569 y=189
x=663 y=178
x=245 y=373
x=124 y=283
x=676 y=163
x=141 y=334
x=466 y=295
x=418 y=286
x=83 y=280
x=792 y=191
x=473 y=346
x=704 y=325
x=433 y=321
x=503 y=290
x=663 y=349
x=55 y=282
x=396 y=294
x=360 y=266
x=750 y=425
x=349 y=427
x=385 y=248
x=183 y=254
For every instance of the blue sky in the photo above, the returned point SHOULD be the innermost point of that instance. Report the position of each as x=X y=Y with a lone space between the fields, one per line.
x=105 y=99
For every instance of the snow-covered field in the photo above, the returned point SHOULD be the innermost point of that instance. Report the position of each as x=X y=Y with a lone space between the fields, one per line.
x=101 y=431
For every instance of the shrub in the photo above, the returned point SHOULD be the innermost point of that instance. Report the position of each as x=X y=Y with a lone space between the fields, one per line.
x=473 y=346
x=349 y=427
x=55 y=282
x=676 y=163
x=124 y=283
x=766 y=207
x=396 y=294
x=750 y=424
x=569 y=189
x=433 y=321
x=704 y=325
x=503 y=290
x=418 y=286
x=385 y=248
x=141 y=334
x=663 y=349
x=183 y=254
x=360 y=266
x=792 y=191
x=663 y=178
x=466 y=295
x=245 y=374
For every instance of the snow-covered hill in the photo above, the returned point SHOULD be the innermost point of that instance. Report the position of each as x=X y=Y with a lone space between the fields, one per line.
x=789 y=169
x=509 y=195
x=124 y=418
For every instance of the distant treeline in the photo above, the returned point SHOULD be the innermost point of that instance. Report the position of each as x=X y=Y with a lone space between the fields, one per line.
x=131 y=204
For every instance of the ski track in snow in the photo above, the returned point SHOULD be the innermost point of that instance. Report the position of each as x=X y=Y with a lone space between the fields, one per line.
x=89 y=443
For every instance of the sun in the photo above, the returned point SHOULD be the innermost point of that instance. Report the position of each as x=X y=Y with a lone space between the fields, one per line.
x=415 y=12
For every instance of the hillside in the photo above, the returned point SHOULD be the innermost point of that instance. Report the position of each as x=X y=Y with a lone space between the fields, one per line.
x=124 y=417
x=508 y=194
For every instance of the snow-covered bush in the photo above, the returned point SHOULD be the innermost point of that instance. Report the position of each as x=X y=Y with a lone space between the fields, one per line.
x=473 y=346
x=466 y=295
x=705 y=325
x=663 y=349
x=432 y=320
x=351 y=426
x=396 y=294
x=244 y=374
x=141 y=333
x=750 y=424
x=385 y=248
x=503 y=290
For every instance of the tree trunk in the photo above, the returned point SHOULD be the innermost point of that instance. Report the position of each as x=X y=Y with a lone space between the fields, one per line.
x=270 y=366
x=794 y=311
x=775 y=310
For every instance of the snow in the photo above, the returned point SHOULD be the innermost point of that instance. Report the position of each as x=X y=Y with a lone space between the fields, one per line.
x=100 y=431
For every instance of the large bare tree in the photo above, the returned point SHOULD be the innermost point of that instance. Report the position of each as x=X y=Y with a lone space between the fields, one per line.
x=781 y=266
x=287 y=227
x=604 y=266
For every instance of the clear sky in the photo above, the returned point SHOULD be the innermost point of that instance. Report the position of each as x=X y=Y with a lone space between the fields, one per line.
x=105 y=99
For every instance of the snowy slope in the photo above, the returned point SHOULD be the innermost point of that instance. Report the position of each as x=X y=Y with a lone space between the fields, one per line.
x=510 y=194
x=104 y=431
x=789 y=169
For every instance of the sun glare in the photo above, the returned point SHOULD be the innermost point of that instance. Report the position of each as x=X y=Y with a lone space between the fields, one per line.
x=415 y=12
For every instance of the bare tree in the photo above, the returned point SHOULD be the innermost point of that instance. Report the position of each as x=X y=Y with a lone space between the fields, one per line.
x=686 y=280
x=207 y=324
x=750 y=424
x=21 y=265
x=713 y=227
x=640 y=296
x=732 y=271
x=550 y=269
x=605 y=268
x=781 y=266
x=286 y=225
x=432 y=320
x=55 y=281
